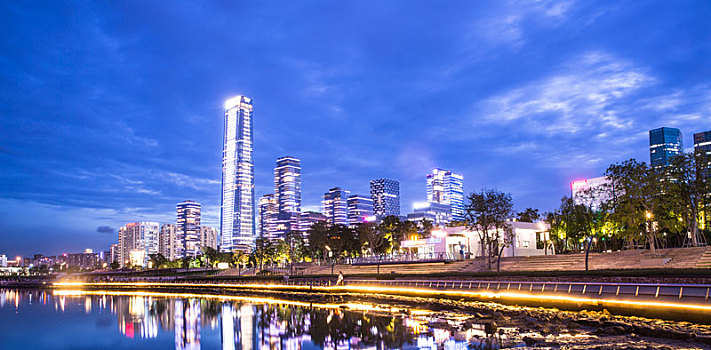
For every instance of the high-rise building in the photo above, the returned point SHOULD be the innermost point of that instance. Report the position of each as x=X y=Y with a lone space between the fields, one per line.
x=187 y=229
x=360 y=209
x=447 y=188
x=335 y=206
x=137 y=241
x=267 y=215
x=167 y=241
x=309 y=218
x=287 y=184
x=386 y=197
x=664 y=143
x=237 y=210
x=208 y=237
x=287 y=191
x=702 y=142
x=438 y=214
x=702 y=146
x=114 y=254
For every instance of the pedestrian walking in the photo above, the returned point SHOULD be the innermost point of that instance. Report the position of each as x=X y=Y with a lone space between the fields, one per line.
x=340 y=278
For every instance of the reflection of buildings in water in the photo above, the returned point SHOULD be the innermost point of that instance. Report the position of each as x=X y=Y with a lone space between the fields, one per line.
x=187 y=324
x=134 y=316
x=228 y=316
x=247 y=326
x=239 y=327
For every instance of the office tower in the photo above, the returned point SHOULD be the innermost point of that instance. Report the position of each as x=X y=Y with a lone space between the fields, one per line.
x=208 y=237
x=287 y=191
x=702 y=142
x=438 y=214
x=335 y=206
x=137 y=241
x=447 y=188
x=287 y=184
x=187 y=229
x=386 y=197
x=114 y=254
x=360 y=208
x=167 y=241
x=267 y=215
x=702 y=146
x=237 y=210
x=664 y=143
x=309 y=218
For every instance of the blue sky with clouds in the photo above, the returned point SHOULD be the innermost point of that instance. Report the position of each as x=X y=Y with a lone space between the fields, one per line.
x=111 y=112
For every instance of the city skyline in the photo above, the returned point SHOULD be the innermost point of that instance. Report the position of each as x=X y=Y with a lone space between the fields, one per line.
x=122 y=118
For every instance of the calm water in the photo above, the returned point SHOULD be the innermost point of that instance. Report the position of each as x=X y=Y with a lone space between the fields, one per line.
x=43 y=320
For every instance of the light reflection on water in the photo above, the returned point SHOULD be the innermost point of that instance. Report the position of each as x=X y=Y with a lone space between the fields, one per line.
x=27 y=317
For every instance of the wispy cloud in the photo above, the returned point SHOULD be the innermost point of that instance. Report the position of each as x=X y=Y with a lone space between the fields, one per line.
x=590 y=93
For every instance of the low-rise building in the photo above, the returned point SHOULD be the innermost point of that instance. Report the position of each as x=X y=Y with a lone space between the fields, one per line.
x=524 y=239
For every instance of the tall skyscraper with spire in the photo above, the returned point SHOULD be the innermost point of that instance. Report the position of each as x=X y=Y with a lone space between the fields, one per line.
x=237 y=211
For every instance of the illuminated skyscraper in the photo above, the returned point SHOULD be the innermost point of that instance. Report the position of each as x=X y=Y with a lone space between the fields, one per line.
x=167 y=241
x=287 y=192
x=702 y=142
x=137 y=241
x=446 y=187
x=267 y=215
x=208 y=237
x=309 y=218
x=287 y=184
x=335 y=206
x=237 y=219
x=360 y=208
x=187 y=229
x=386 y=197
x=664 y=143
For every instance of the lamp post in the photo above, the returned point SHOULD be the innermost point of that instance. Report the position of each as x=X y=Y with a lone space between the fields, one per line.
x=649 y=230
x=330 y=256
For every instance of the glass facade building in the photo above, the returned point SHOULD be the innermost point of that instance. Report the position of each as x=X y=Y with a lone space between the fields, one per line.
x=360 y=208
x=664 y=143
x=267 y=215
x=309 y=218
x=702 y=142
x=237 y=210
x=187 y=229
x=447 y=188
x=335 y=206
x=287 y=191
x=386 y=197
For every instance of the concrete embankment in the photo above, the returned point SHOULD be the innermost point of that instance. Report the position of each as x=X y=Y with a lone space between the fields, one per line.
x=689 y=302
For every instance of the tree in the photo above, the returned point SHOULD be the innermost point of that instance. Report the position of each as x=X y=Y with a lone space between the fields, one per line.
x=486 y=214
x=373 y=238
x=635 y=192
x=688 y=192
x=318 y=239
x=240 y=258
x=263 y=250
x=528 y=215
x=158 y=260
x=211 y=255
x=114 y=265
x=391 y=228
x=425 y=228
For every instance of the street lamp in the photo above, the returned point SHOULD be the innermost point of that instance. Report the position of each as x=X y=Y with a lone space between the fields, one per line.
x=330 y=256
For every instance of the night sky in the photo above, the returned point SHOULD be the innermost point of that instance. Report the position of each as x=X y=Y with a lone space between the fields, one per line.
x=111 y=111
